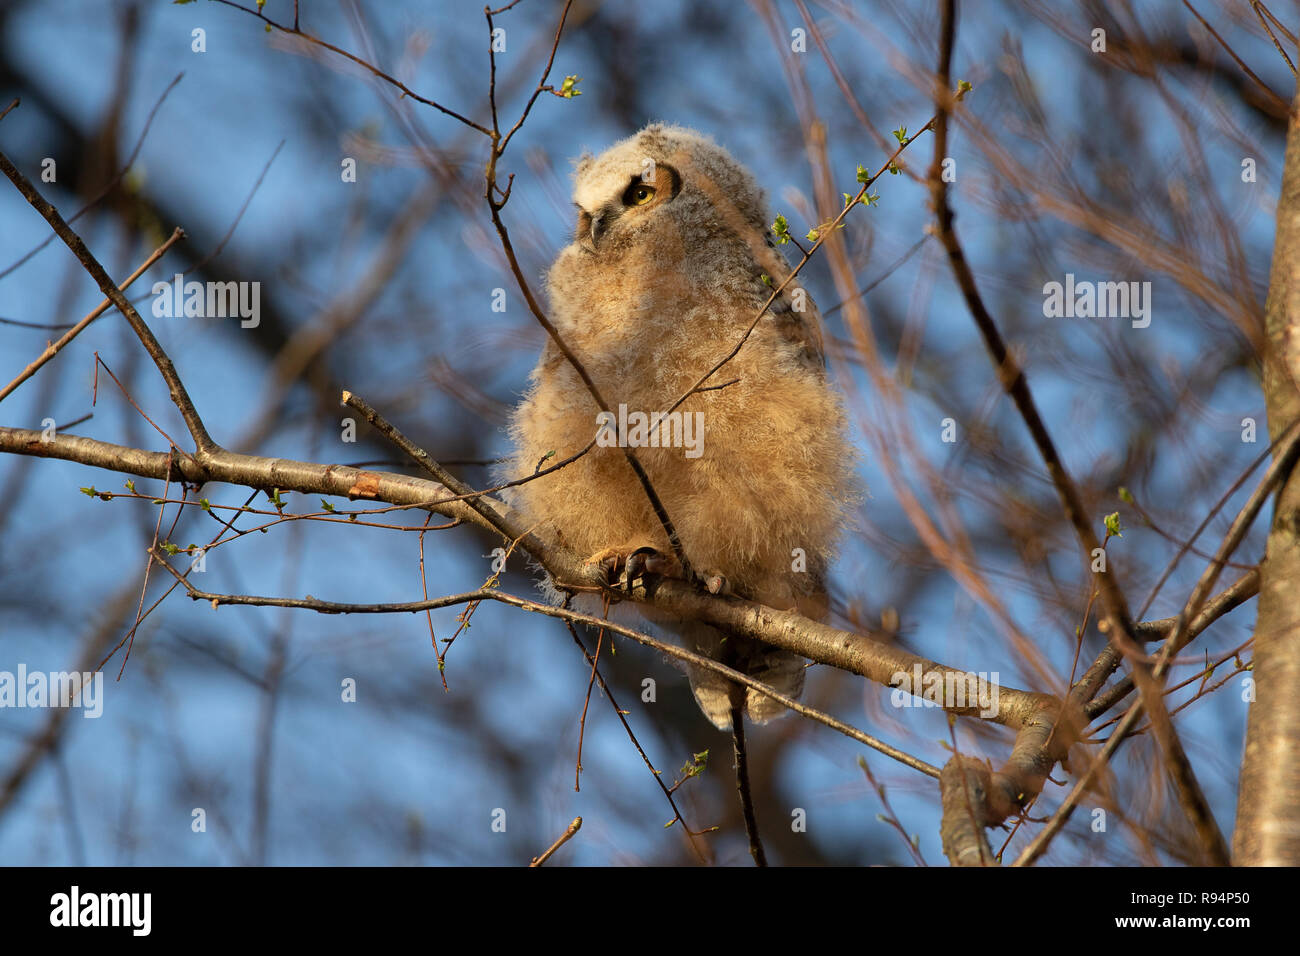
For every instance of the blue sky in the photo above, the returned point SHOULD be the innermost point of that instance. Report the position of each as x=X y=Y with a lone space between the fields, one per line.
x=409 y=773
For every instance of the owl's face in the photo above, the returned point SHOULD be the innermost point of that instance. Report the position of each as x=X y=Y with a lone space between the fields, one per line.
x=617 y=217
x=664 y=180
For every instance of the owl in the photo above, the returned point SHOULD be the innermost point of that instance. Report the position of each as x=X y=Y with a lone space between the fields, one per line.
x=670 y=263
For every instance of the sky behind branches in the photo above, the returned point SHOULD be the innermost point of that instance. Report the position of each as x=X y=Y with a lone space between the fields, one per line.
x=410 y=774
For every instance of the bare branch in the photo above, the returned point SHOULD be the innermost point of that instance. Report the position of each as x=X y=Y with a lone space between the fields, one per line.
x=180 y=397
x=565 y=837
x=54 y=349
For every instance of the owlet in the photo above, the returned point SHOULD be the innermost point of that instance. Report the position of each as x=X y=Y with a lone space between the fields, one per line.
x=669 y=266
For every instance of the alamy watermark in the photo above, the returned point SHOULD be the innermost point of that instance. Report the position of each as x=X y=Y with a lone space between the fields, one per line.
x=208 y=300
x=1101 y=300
x=53 y=689
x=129 y=910
x=670 y=430
x=951 y=690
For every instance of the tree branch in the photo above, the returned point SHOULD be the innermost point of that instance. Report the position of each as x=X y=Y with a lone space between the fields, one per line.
x=180 y=397
x=1013 y=380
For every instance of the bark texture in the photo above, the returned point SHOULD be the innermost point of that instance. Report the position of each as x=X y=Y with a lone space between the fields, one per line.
x=1268 y=809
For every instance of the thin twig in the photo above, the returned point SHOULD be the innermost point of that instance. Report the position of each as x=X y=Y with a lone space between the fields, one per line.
x=372 y=69
x=627 y=727
x=1191 y=796
x=586 y=702
x=495 y=205
x=110 y=185
x=1254 y=5
x=823 y=234
x=418 y=454
x=494 y=594
x=565 y=837
x=1277 y=472
x=889 y=816
x=742 y=777
x=1259 y=5
x=53 y=350
x=1239 y=61
x=428 y=615
x=180 y=397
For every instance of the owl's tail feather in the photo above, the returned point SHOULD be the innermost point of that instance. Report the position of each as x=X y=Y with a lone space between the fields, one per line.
x=781 y=670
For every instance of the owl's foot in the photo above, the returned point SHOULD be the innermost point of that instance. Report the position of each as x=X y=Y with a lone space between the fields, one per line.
x=620 y=567
x=715 y=582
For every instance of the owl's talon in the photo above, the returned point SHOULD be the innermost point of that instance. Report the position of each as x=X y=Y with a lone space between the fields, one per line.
x=632 y=570
x=605 y=566
x=620 y=567
x=715 y=582
x=645 y=561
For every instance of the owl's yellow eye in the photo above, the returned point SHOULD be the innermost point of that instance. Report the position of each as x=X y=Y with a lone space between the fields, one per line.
x=640 y=194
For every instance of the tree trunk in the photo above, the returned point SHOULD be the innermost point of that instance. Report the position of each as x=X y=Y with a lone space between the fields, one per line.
x=1268 y=802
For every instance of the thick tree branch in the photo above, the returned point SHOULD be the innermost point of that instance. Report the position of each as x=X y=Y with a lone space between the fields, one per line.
x=1268 y=812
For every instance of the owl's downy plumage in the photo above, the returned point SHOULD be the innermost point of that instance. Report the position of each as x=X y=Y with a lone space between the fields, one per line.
x=669 y=266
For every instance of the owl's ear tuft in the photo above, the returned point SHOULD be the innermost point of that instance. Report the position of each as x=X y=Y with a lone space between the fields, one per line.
x=654 y=136
x=583 y=163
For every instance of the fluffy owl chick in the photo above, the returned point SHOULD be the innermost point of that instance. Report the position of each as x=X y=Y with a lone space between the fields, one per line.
x=669 y=266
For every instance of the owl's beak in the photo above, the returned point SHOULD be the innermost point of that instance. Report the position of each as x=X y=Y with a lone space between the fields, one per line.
x=599 y=221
